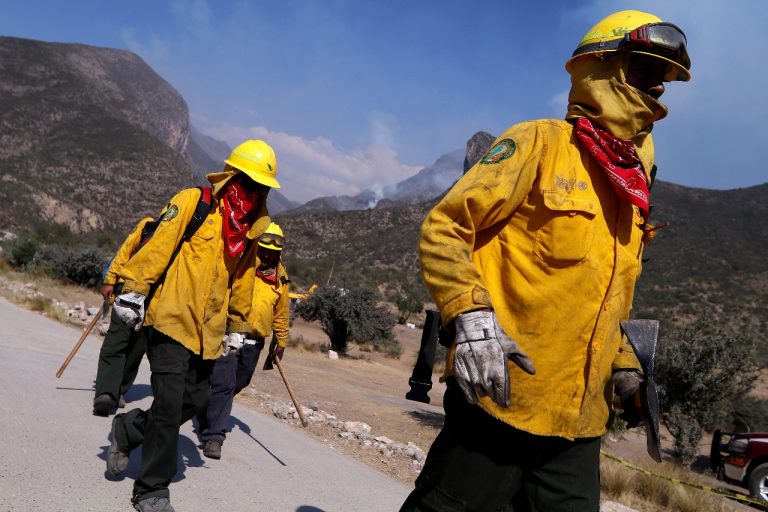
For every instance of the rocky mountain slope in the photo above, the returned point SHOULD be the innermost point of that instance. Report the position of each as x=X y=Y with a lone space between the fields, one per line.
x=93 y=139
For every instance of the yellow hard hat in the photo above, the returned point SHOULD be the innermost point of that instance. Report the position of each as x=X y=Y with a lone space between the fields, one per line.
x=638 y=32
x=272 y=238
x=256 y=159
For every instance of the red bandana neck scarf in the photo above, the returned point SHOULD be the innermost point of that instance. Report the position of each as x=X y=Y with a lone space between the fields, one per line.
x=269 y=274
x=618 y=158
x=238 y=205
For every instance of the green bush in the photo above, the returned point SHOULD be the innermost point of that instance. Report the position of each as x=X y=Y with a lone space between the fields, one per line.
x=351 y=314
x=81 y=266
x=702 y=374
x=22 y=252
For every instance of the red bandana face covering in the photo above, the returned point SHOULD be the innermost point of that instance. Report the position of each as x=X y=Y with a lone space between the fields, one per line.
x=238 y=205
x=618 y=158
x=269 y=275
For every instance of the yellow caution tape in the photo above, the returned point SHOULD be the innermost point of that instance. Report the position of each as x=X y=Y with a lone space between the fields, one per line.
x=713 y=490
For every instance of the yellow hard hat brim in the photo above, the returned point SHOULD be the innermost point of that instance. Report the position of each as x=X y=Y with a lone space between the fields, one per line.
x=256 y=176
x=270 y=247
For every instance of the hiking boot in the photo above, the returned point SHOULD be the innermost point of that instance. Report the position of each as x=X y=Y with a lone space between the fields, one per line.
x=103 y=404
x=121 y=403
x=212 y=449
x=117 y=460
x=154 y=504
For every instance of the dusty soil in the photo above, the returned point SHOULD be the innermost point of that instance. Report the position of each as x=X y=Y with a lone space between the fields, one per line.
x=363 y=386
x=367 y=387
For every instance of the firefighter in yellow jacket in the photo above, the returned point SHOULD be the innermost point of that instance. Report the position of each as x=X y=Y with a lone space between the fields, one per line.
x=269 y=314
x=532 y=259
x=123 y=347
x=189 y=302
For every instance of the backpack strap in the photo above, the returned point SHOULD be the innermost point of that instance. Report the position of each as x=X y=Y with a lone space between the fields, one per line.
x=202 y=210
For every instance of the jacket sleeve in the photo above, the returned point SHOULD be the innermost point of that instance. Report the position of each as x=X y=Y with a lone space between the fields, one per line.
x=125 y=252
x=241 y=295
x=486 y=195
x=145 y=267
x=280 y=319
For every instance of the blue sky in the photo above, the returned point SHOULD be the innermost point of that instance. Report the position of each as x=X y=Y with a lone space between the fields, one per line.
x=354 y=94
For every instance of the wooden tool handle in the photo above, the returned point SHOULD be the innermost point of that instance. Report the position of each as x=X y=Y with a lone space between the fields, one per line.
x=304 y=421
x=80 y=342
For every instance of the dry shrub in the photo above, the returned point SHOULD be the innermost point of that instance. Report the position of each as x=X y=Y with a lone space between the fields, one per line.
x=648 y=492
x=46 y=306
x=302 y=344
x=38 y=303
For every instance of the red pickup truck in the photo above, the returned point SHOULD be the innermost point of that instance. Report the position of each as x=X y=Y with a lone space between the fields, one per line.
x=742 y=459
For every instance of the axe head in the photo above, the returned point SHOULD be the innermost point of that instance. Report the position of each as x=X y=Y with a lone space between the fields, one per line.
x=643 y=335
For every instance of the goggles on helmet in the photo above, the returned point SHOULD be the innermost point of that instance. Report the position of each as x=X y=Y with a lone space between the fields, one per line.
x=663 y=39
x=271 y=239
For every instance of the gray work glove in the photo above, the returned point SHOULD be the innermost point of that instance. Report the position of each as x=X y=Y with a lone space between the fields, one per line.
x=482 y=349
x=232 y=342
x=626 y=384
x=129 y=308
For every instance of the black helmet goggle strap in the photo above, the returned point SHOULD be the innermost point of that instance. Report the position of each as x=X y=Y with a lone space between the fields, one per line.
x=272 y=239
x=663 y=39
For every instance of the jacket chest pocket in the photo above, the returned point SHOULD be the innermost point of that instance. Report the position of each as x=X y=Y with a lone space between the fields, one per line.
x=566 y=232
x=201 y=242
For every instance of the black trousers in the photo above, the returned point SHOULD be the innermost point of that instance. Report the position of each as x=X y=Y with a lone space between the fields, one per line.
x=180 y=385
x=231 y=373
x=119 y=358
x=480 y=464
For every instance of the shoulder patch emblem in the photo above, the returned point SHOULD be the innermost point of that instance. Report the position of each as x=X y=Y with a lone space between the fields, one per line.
x=170 y=213
x=503 y=149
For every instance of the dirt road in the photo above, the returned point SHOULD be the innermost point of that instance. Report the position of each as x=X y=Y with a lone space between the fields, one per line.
x=53 y=449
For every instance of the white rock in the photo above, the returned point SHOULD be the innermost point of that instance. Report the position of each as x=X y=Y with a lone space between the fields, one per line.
x=612 y=506
x=333 y=355
x=30 y=286
x=357 y=427
x=384 y=440
x=92 y=311
x=282 y=411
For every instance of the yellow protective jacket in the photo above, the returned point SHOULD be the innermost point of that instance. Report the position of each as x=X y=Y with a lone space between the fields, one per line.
x=536 y=232
x=270 y=307
x=125 y=252
x=193 y=305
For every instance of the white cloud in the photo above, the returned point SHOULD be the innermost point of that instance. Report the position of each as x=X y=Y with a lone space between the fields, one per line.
x=310 y=168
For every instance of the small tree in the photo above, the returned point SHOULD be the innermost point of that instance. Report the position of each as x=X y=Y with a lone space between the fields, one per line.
x=702 y=372
x=407 y=304
x=350 y=314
